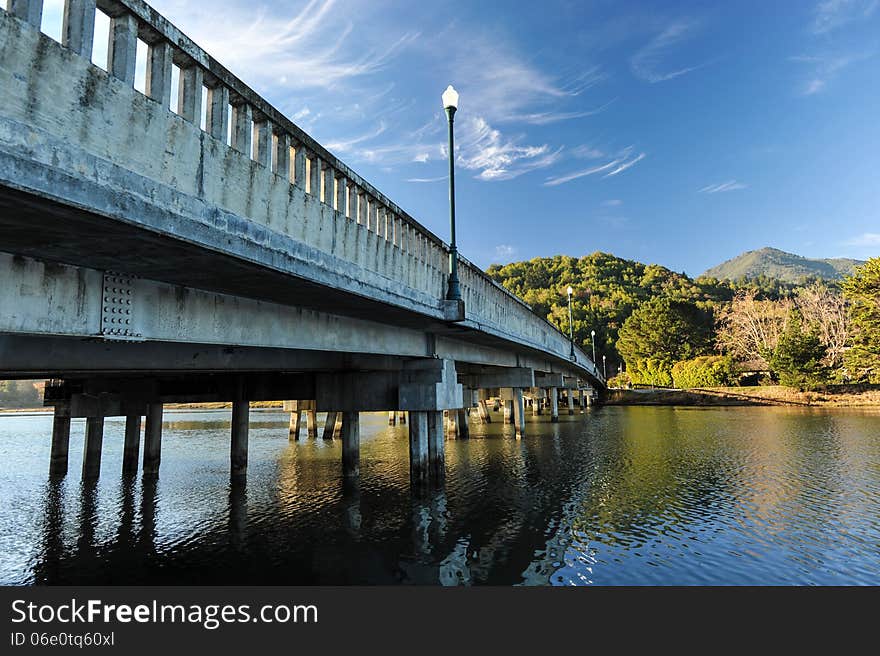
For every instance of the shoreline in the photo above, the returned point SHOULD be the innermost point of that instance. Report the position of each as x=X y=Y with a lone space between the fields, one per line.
x=841 y=396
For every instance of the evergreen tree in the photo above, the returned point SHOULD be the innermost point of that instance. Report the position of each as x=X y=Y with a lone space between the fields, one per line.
x=862 y=290
x=797 y=358
x=659 y=333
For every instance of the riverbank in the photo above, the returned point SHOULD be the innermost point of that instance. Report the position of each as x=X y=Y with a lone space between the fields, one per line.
x=832 y=396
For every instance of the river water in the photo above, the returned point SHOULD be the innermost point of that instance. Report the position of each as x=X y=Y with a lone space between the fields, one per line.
x=621 y=495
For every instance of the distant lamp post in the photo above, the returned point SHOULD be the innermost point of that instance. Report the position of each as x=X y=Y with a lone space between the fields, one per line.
x=570 y=326
x=450 y=104
x=593 y=335
x=604 y=371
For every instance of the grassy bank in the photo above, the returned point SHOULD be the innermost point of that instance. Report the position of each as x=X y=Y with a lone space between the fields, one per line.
x=831 y=396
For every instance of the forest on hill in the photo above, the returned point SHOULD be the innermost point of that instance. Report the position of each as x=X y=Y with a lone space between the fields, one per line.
x=660 y=327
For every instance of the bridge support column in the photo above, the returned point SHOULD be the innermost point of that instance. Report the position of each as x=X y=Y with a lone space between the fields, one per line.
x=60 y=440
x=293 y=428
x=132 y=444
x=92 y=445
x=508 y=411
x=436 y=443
x=464 y=431
x=418 y=446
x=554 y=404
x=241 y=411
x=392 y=418
x=401 y=417
x=569 y=396
x=312 y=424
x=351 y=440
x=519 y=412
x=330 y=426
x=536 y=402
x=483 y=411
x=28 y=10
x=153 y=439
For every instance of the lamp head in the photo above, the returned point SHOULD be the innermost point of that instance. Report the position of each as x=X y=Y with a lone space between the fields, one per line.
x=570 y=290
x=593 y=333
x=450 y=98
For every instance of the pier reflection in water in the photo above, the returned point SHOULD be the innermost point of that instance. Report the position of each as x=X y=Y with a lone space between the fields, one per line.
x=620 y=495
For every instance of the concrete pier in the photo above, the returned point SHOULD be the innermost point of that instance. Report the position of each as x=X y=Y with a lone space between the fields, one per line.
x=418 y=446
x=153 y=439
x=536 y=404
x=241 y=411
x=351 y=440
x=60 y=440
x=330 y=426
x=312 y=424
x=392 y=418
x=295 y=423
x=94 y=441
x=508 y=411
x=436 y=443
x=519 y=412
x=401 y=417
x=554 y=404
x=569 y=396
x=483 y=411
x=463 y=430
x=132 y=444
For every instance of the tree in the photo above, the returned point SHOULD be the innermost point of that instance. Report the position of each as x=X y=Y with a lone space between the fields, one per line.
x=749 y=328
x=661 y=332
x=862 y=290
x=797 y=358
x=704 y=371
x=826 y=310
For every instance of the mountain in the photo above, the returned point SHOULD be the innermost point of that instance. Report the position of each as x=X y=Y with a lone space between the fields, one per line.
x=774 y=263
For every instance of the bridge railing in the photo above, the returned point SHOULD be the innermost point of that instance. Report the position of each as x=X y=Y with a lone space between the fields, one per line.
x=342 y=213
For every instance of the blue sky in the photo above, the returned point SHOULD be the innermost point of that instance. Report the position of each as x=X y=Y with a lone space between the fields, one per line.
x=681 y=133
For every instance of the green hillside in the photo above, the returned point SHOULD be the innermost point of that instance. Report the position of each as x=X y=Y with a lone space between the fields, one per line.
x=774 y=263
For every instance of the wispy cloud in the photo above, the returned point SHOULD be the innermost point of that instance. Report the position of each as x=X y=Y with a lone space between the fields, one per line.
x=612 y=202
x=824 y=68
x=865 y=240
x=617 y=165
x=505 y=251
x=730 y=185
x=346 y=145
x=496 y=157
x=832 y=14
x=425 y=180
x=648 y=62
x=585 y=151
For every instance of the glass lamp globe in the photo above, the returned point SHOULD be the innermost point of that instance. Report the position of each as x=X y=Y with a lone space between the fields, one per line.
x=450 y=98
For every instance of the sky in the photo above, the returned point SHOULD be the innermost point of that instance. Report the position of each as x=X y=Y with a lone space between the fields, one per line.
x=677 y=133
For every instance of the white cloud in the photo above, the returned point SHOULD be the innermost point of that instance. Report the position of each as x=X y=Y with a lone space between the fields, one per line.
x=619 y=164
x=586 y=151
x=613 y=202
x=345 y=145
x=497 y=157
x=867 y=239
x=832 y=14
x=442 y=177
x=647 y=63
x=825 y=68
x=505 y=251
x=730 y=185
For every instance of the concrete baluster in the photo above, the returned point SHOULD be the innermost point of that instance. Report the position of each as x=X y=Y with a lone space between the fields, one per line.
x=218 y=112
x=158 y=84
x=78 y=26
x=122 y=49
x=189 y=94
x=28 y=10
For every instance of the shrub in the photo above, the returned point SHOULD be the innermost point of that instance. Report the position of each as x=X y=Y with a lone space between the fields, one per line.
x=797 y=358
x=704 y=371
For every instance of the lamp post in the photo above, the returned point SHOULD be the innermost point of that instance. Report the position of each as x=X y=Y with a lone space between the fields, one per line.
x=570 y=326
x=450 y=104
x=604 y=371
x=593 y=335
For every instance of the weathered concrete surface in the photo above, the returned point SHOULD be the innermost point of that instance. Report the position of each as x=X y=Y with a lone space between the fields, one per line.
x=92 y=171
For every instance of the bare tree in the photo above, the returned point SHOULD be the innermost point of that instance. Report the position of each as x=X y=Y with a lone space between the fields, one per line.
x=748 y=328
x=827 y=312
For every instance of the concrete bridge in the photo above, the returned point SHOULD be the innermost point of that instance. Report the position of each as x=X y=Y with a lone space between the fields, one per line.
x=191 y=243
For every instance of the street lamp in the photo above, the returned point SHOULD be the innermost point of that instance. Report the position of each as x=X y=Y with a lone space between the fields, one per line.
x=593 y=335
x=604 y=371
x=450 y=104
x=570 y=327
